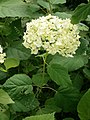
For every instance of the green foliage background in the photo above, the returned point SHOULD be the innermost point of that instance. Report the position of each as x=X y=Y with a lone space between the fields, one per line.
x=64 y=91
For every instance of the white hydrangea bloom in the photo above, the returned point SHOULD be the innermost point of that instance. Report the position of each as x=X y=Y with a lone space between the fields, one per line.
x=2 y=55
x=53 y=34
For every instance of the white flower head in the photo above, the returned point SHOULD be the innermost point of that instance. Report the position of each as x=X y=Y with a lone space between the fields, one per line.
x=53 y=34
x=2 y=55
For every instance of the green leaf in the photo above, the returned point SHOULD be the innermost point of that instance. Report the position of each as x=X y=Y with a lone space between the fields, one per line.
x=11 y=62
x=67 y=98
x=63 y=15
x=87 y=72
x=3 y=75
x=3 y=116
x=83 y=27
x=50 y=107
x=16 y=8
x=70 y=63
x=30 y=67
x=77 y=79
x=16 y=30
x=83 y=46
x=81 y=13
x=41 y=117
x=4 y=29
x=39 y=80
x=88 y=18
x=83 y=107
x=2 y=69
x=59 y=74
x=25 y=103
x=58 y=1
x=4 y=98
x=18 y=51
x=43 y=4
x=17 y=84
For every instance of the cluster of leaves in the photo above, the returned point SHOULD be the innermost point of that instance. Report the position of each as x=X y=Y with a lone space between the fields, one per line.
x=57 y=89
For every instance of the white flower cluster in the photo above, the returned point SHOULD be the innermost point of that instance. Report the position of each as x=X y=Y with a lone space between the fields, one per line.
x=53 y=34
x=2 y=55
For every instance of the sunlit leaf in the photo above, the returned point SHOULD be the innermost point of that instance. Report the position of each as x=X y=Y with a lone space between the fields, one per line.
x=5 y=98
x=3 y=116
x=41 y=117
x=58 y=1
x=11 y=62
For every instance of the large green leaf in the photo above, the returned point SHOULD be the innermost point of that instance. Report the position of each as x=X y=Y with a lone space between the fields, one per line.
x=67 y=98
x=81 y=13
x=16 y=8
x=25 y=103
x=41 y=117
x=18 y=51
x=17 y=84
x=71 y=63
x=5 y=98
x=83 y=107
x=11 y=62
x=59 y=74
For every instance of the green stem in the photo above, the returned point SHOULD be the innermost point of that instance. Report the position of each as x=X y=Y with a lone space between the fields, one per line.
x=43 y=69
x=37 y=92
x=44 y=63
x=50 y=6
x=50 y=88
